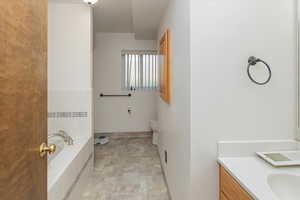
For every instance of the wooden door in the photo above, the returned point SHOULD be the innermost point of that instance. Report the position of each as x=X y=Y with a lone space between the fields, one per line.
x=23 y=99
x=165 y=73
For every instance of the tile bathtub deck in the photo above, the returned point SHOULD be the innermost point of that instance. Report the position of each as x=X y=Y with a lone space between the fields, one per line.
x=127 y=169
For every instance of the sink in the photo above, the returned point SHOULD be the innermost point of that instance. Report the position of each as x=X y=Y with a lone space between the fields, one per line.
x=285 y=186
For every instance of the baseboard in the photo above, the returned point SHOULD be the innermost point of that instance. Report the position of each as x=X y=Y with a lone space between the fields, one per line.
x=114 y=135
x=164 y=174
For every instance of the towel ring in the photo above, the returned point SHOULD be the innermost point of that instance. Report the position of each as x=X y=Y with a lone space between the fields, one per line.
x=253 y=61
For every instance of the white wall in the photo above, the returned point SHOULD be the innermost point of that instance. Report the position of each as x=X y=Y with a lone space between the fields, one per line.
x=111 y=113
x=225 y=105
x=70 y=46
x=70 y=66
x=174 y=119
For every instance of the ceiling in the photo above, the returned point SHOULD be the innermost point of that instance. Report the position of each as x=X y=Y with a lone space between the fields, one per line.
x=141 y=17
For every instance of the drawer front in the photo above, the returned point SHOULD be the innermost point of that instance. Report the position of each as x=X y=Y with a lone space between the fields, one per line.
x=230 y=189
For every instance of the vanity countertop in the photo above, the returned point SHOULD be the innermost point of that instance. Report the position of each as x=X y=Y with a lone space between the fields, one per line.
x=252 y=174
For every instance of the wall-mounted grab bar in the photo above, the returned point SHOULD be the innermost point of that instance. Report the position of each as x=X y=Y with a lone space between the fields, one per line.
x=116 y=95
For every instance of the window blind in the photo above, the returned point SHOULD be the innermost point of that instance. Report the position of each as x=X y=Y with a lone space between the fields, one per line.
x=140 y=70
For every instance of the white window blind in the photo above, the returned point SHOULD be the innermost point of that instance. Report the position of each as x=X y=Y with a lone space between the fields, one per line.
x=140 y=70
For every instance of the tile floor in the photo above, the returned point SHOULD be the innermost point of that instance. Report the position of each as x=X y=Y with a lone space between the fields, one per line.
x=127 y=169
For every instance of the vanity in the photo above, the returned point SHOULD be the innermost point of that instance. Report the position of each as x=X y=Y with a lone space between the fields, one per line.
x=245 y=176
x=229 y=188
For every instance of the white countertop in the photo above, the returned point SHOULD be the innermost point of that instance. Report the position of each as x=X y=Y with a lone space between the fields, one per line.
x=252 y=173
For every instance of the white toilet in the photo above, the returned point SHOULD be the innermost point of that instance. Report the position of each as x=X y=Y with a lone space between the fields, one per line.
x=155 y=129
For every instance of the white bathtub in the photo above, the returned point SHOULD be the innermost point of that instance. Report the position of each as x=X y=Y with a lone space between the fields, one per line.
x=65 y=166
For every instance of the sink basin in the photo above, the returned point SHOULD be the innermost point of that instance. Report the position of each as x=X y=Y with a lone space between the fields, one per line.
x=285 y=186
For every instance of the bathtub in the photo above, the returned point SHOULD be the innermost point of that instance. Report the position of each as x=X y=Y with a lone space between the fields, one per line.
x=60 y=144
x=66 y=164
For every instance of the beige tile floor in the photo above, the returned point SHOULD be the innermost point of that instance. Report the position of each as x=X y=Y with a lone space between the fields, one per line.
x=127 y=169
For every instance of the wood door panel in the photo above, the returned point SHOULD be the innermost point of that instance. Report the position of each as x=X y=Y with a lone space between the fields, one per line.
x=23 y=102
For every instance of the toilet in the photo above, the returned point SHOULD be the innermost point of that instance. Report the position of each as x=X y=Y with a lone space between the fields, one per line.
x=155 y=129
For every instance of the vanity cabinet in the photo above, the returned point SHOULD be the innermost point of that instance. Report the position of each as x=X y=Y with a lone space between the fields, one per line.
x=230 y=189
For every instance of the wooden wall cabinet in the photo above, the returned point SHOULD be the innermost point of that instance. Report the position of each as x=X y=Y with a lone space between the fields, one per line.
x=230 y=189
x=165 y=68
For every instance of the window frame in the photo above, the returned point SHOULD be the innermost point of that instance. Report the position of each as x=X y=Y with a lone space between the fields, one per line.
x=139 y=67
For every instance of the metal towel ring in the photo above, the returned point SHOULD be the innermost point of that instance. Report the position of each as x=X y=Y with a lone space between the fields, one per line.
x=251 y=62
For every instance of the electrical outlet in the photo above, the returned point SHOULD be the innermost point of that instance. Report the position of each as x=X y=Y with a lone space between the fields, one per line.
x=129 y=110
x=166 y=157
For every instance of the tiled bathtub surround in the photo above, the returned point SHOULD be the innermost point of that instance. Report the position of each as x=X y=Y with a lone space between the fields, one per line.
x=70 y=110
x=67 y=114
x=127 y=168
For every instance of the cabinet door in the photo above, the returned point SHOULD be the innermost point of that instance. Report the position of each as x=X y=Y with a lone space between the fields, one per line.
x=222 y=196
x=230 y=188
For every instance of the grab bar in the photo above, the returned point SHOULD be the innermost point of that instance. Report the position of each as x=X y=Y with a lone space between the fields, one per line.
x=115 y=95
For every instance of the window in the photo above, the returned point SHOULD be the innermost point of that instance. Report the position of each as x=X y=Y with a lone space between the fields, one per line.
x=140 y=70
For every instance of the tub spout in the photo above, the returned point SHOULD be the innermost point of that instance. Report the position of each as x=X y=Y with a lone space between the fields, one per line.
x=67 y=139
